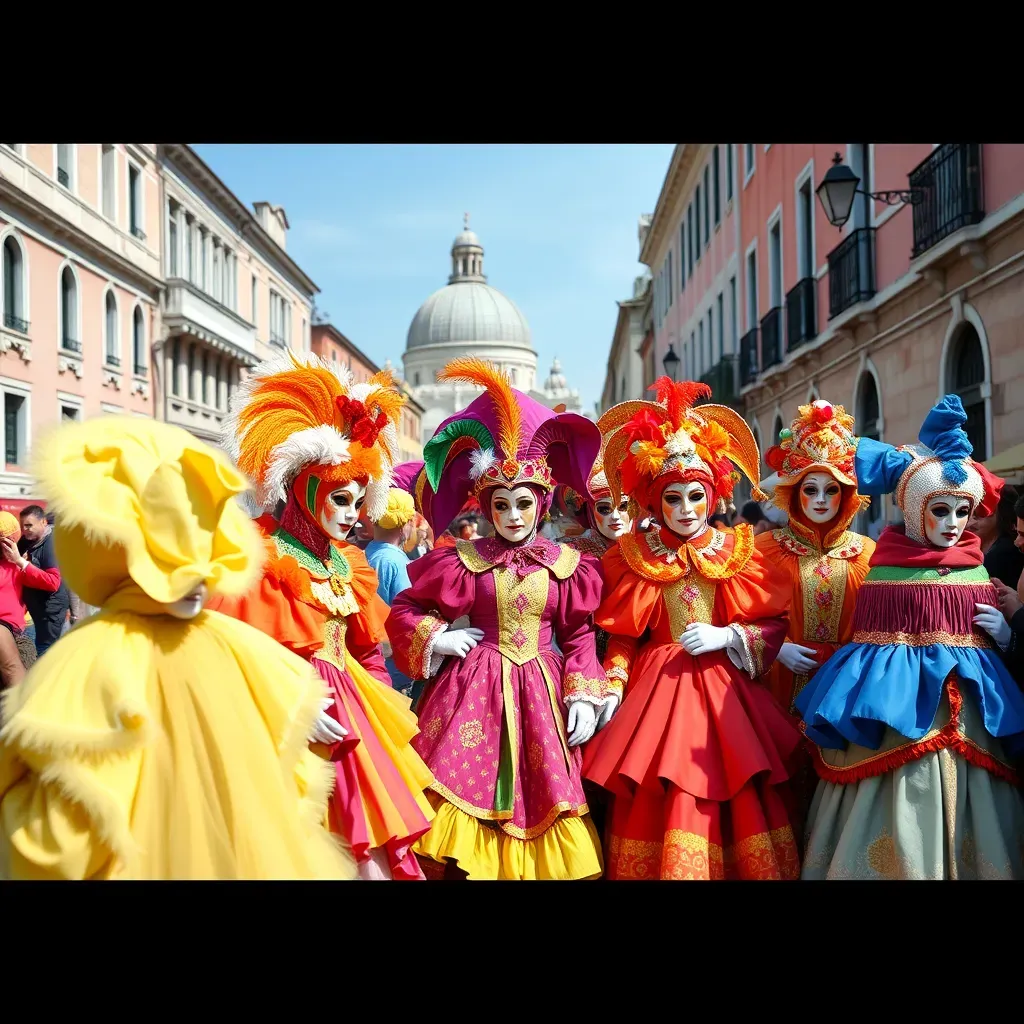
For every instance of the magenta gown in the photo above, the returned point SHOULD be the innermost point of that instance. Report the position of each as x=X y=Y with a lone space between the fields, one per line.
x=507 y=788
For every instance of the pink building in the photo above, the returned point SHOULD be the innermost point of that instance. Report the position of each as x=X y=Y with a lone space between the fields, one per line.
x=79 y=244
x=904 y=303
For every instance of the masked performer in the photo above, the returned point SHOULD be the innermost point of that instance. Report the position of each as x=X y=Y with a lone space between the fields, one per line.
x=158 y=740
x=493 y=715
x=306 y=435
x=696 y=757
x=916 y=720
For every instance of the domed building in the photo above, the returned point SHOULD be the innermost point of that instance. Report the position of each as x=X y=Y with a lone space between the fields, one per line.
x=468 y=317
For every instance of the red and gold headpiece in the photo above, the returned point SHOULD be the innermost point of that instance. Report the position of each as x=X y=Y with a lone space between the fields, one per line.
x=820 y=438
x=299 y=421
x=672 y=438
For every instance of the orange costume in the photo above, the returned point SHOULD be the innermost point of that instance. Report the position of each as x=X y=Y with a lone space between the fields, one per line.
x=696 y=757
x=303 y=431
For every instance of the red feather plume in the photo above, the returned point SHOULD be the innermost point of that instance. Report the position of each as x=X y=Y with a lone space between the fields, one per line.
x=679 y=396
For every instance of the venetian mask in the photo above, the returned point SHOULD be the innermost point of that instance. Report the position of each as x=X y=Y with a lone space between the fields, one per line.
x=820 y=496
x=189 y=606
x=945 y=519
x=341 y=510
x=514 y=513
x=612 y=520
x=684 y=508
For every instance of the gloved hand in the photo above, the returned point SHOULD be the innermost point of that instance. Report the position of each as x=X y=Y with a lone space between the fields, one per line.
x=582 y=720
x=458 y=642
x=702 y=638
x=604 y=714
x=991 y=620
x=325 y=729
x=798 y=659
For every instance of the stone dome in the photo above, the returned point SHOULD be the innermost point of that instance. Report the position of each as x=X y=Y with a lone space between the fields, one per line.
x=468 y=311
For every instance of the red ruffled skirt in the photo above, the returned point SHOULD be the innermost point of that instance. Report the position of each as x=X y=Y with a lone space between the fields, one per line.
x=697 y=761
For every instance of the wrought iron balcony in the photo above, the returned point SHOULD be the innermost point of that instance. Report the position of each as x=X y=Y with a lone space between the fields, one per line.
x=748 y=357
x=801 y=313
x=15 y=323
x=70 y=344
x=721 y=378
x=951 y=181
x=771 y=338
x=63 y=177
x=113 y=361
x=851 y=271
x=138 y=233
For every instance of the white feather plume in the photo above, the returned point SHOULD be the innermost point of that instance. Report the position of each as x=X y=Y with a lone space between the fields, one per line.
x=481 y=460
x=322 y=445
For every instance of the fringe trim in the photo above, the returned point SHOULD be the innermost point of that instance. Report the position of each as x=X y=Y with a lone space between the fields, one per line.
x=947 y=738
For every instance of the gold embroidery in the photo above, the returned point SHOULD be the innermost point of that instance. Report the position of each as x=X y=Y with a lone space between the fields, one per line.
x=752 y=638
x=521 y=601
x=863 y=636
x=706 y=558
x=556 y=711
x=335 y=596
x=823 y=588
x=565 y=564
x=536 y=755
x=471 y=734
x=562 y=567
x=470 y=557
x=848 y=545
x=577 y=686
x=433 y=728
x=419 y=643
x=686 y=601
x=333 y=650
x=882 y=856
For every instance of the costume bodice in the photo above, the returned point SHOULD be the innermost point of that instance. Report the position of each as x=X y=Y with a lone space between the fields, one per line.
x=515 y=612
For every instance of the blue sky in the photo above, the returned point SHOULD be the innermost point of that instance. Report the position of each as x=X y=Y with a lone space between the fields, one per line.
x=373 y=225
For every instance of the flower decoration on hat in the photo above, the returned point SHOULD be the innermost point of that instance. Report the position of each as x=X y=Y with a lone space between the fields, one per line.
x=672 y=438
x=303 y=416
x=820 y=438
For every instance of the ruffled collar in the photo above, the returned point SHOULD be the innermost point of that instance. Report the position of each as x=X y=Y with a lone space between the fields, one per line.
x=497 y=553
x=846 y=545
x=895 y=548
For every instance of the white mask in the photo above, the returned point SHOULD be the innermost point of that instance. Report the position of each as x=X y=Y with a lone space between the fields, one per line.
x=341 y=510
x=945 y=519
x=684 y=509
x=514 y=513
x=189 y=606
x=612 y=521
x=820 y=496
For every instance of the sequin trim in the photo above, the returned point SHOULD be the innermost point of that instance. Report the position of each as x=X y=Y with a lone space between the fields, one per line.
x=421 y=645
x=938 y=636
x=752 y=639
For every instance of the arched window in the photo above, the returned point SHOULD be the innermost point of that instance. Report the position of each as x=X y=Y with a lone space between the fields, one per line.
x=14 y=305
x=868 y=425
x=112 y=347
x=967 y=375
x=69 y=339
x=139 y=340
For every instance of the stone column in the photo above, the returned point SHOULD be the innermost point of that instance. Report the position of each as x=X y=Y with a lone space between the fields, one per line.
x=211 y=378
x=169 y=370
x=226 y=370
x=197 y=373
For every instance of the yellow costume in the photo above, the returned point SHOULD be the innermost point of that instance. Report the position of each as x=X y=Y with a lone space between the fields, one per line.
x=143 y=745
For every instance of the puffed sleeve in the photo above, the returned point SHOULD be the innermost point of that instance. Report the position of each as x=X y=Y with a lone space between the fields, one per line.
x=442 y=590
x=630 y=605
x=579 y=595
x=755 y=602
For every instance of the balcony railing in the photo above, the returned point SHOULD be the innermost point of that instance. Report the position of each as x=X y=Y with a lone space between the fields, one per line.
x=771 y=338
x=721 y=378
x=851 y=271
x=138 y=233
x=801 y=313
x=951 y=181
x=114 y=361
x=748 y=357
x=63 y=177
x=70 y=344
x=15 y=323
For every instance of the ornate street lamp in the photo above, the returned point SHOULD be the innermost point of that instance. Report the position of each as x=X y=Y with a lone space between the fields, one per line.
x=670 y=362
x=839 y=188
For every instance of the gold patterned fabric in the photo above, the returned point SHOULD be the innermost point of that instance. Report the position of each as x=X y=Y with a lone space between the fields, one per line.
x=521 y=601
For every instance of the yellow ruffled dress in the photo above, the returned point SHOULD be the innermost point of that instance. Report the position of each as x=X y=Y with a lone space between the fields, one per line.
x=145 y=746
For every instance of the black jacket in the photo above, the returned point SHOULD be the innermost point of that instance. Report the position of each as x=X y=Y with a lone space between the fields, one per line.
x=1005 y=562
x=48 y=610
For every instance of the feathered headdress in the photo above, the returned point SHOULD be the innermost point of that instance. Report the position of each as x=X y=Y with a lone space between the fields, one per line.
x=503 y=439
x=672 y=435
x=295 y=412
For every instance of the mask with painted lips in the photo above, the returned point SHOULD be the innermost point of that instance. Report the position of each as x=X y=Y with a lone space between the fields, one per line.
x=684 y=509
x=514 y=513
x=189 y=606
x=612 y=520
x=820 y=496
x=341 y=510
x=945 y=519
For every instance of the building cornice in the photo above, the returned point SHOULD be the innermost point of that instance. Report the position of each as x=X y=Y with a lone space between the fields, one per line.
x=684 y=157
x=187 y=160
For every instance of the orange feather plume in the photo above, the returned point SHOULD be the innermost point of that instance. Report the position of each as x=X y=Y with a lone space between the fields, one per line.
x=486 y=375
x=678 y=396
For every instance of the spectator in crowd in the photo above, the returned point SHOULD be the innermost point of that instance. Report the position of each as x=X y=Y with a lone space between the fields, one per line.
x=468 y=529
x=719 y=520
x=46 y=596
x=421 y=538
x=391 y=564
x=1011 y=603
x=753 y=514
x=998 y=533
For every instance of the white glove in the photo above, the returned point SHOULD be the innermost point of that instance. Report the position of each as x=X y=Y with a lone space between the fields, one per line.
x=604 y=715
x=457 y=641
x=991 y=620
x=702 y=638
x=325 y=729
x=798 y=659
x=582 y=719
